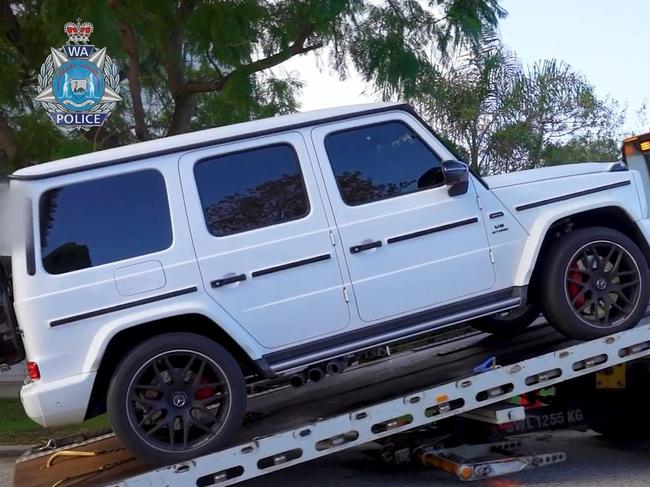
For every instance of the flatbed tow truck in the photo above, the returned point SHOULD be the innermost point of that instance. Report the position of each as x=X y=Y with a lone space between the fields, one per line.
x=456 y=403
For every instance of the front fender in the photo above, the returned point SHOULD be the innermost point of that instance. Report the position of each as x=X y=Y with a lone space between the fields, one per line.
x=543 y=222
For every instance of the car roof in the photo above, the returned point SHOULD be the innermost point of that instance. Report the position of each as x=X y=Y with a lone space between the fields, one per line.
x=201 y=138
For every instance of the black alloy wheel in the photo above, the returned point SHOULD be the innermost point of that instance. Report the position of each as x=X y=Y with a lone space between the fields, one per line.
x=603 y=284
x=175 y=397
x=594 y=283
x=178 y=400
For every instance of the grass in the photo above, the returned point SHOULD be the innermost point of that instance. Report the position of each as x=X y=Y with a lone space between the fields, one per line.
x=17 y=429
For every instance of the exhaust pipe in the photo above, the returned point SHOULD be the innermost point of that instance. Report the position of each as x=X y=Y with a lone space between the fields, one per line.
x=298 y=380
x=335 y=367
x=315 y=374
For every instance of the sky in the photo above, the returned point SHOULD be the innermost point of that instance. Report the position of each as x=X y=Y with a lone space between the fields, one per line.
x=605 y=40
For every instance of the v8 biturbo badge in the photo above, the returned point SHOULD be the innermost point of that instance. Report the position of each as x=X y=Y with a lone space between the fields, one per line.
x=79 y=86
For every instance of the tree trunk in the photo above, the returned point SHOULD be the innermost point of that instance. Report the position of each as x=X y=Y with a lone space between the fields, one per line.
x=182 y=116
x=474 y=149
x=8 y=142
x=131 y=44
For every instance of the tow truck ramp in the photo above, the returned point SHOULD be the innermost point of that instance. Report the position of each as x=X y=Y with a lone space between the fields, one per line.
x=361 y=421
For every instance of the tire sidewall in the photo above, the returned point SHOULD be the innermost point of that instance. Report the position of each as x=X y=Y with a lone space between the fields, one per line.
x=141 y=354
x=557 y=308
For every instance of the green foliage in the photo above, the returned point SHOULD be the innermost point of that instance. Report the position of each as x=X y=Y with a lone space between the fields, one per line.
x=509 y=118
x=250 y=98
x=189 y=64
x=581 y=149
x=467 y=99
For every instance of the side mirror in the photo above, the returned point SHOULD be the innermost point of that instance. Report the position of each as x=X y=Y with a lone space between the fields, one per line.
x=456 y=176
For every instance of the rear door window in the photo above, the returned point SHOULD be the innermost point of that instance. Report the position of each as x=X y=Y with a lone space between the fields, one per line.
x=251 y=189
x=104 y=220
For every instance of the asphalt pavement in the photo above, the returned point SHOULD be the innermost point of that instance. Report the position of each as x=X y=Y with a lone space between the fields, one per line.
x=592 y=462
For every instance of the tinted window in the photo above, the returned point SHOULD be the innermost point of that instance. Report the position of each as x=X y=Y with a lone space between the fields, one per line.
x=251 y=189
x=104 y=220
x=381 y=161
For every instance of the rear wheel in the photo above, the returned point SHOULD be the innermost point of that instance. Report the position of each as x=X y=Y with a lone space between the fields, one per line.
x=508 y=323
x=176 y=396
x=595 y=283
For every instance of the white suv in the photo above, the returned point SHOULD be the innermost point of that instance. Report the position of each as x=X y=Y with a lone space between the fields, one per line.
x=155 y=280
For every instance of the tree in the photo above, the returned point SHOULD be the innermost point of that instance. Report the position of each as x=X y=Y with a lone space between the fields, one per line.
x=509 y=118
x=188 y=64
x=466 y=100
x=582 y=149
x=557 y=106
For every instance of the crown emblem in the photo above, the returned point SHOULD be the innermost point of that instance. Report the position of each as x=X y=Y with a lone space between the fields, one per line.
x=78 y=32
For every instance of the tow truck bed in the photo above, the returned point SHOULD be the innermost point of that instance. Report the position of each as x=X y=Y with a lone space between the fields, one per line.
x=370 y=402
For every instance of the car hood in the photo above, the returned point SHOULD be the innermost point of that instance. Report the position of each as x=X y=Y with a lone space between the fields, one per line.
x=551 y=172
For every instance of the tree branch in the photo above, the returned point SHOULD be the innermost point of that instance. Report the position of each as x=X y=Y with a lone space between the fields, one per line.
x=296 y=48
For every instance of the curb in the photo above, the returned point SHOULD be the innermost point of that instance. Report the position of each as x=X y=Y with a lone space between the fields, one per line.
x=13 y=450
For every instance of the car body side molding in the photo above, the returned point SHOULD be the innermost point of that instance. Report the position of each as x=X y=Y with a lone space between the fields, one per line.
x=577 y=194
x=120 y=307
x=429 y=231
x=291 y=265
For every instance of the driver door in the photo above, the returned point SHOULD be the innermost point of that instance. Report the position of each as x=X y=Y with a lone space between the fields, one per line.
x=409 y=245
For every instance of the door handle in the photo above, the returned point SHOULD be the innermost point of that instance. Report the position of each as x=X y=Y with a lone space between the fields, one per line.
x=355 y=249
x=228 y=280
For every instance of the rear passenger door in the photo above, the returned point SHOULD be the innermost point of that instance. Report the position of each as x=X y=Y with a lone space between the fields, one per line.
x=263 y=240
x=409 y=244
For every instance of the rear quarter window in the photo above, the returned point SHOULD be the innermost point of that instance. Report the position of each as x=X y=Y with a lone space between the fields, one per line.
x=104 y=220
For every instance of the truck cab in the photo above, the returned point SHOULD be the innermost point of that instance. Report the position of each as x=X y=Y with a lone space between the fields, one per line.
x=636 y=154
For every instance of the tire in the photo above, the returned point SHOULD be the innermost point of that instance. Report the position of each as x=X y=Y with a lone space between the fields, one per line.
x=507 y=324
x=594 y=283
x=176 y=396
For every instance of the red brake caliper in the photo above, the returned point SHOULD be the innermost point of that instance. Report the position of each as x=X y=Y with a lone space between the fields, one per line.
x=205 y=392
x=574 y=289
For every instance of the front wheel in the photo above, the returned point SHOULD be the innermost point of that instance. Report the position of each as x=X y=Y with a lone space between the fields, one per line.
x=595 y=283
x=176 y=396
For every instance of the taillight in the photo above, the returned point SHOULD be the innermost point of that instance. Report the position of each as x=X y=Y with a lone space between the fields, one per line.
x=32 y=371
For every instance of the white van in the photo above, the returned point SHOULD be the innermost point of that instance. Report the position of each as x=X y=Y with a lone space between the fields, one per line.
x=156 y=280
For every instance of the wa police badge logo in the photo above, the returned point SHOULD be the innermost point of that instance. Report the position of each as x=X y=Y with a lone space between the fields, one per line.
x=79 y=86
